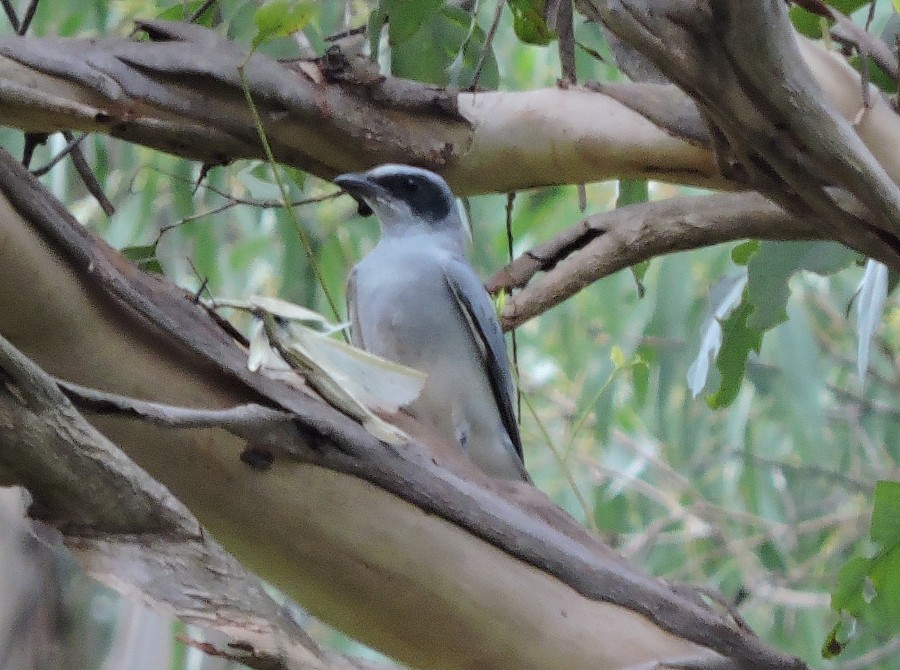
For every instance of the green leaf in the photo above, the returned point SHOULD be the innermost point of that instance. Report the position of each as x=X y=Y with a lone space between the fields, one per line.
x=724 y=295
x=434 y=49
x=144 y=256
x=529 y=23
x=743 y=252
x=611 y=513
x=885 y=526
x=848 y=6
x=406 y=17
x=870 y=297
x=632 y=191
x=851 y=579
x=807 y=23
x=772 y=266
x=280 y=18
x=240 y=23
x=373 y=29
x=738 y=340
x=869 y=588
x=638 y=271
x=811 y=24
x=181 y=11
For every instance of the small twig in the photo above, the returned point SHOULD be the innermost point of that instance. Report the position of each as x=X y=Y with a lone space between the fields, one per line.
x=565 y=29
x=345 y=33
x=193 y=217
x=871 y=15
x=11 y=15
x=864 y=78
x=204 y=282
x=44 y=169
x=586 y=508
x=806 y=470
x=201 y=10
x=87 y=176
x=301 y=232
x=27 y=18
x=272 y=204
x=847 y=31
x=510 y=199
x=257 y=424
x=488 y=40
x=262 y=204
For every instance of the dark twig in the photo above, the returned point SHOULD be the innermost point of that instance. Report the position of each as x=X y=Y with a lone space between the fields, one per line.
x=29 y=15
x=488 y=40
x=87 y=176
x=201 y=10
x=44 y=169
x=871 y=15
x=510 y=199
x=565 y=29
x=11 y=15
x=32 y=142
x=262 y=204
x=350 y=32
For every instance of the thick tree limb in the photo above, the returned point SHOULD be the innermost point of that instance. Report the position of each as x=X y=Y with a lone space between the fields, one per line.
x=437 y=569
x=128 y=530
x=180 y=92
x=788 y=141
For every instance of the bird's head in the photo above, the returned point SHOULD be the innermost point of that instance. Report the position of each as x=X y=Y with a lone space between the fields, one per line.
x=406 y=200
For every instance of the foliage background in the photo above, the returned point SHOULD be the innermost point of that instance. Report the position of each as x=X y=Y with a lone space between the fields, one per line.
x=763 y=501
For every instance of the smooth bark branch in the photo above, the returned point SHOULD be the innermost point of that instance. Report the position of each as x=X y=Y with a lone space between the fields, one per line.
x=788 y=141
x=436 y=566
x=128 y=530
x=611 y=241
x=180 y=92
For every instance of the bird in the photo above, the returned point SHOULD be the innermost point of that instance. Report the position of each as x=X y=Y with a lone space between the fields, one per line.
x=415 y=300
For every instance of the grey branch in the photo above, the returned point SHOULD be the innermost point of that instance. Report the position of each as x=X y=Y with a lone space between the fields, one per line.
x=787 y=141
x=126 y=528
x=258 y=425
x=607 y=242
x=308 y=526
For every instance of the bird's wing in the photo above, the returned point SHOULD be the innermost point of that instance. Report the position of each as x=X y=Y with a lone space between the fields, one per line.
x=475 y=307
x=356 y=337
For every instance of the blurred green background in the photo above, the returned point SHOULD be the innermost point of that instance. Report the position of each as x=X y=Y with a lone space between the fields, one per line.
x=764 y=500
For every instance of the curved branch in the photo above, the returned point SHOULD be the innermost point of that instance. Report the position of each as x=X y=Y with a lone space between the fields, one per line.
x=788 y=141
x=180 y=92
x=436 y=566
x=611 y=241
x=127 y=529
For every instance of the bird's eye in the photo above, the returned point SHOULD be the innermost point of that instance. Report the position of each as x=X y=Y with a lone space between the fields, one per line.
x=409 y=185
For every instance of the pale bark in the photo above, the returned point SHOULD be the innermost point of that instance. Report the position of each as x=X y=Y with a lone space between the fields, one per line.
x=434 y=565
x=789 y=141
x=437 y=567
x=181 y=93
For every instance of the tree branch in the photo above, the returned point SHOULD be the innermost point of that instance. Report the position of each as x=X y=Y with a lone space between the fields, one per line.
x=128 y=530
x=788 y=141
x=437 y=566
x=180 y=93
x=611 y=241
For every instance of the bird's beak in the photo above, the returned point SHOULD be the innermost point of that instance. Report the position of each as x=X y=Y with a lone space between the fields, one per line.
x=362 y=190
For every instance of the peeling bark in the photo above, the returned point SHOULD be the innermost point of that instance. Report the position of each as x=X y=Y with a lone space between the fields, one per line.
x=608 y=242
x=790 y=141
x=436 y=567
x=181 y=93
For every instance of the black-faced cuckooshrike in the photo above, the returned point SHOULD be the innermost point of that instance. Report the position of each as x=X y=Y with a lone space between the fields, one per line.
x=416 y=300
